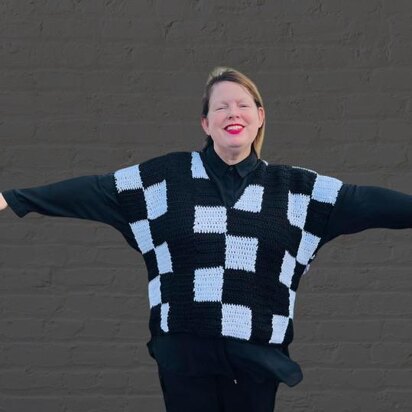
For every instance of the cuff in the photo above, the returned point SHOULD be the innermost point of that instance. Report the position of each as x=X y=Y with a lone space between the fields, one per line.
x=14 y=204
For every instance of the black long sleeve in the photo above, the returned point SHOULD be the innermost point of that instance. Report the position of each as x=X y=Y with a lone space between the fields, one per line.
x=367 y=207
x=86 y=197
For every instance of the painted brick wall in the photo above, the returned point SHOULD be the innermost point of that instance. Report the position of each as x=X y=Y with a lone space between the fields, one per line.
x=87 y=87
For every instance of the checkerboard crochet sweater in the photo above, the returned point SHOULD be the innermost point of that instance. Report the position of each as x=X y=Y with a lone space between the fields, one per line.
x=224 y=271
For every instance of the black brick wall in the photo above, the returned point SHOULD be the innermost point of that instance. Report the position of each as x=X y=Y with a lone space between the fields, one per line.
x=87 y=87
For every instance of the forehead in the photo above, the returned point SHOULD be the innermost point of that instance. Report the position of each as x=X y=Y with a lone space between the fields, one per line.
x=226 y=91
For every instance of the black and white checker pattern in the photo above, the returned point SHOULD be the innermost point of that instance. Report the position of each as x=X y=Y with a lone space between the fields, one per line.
x=146 y=198
x=325 y=190
x=241 y=252
x=155 y=201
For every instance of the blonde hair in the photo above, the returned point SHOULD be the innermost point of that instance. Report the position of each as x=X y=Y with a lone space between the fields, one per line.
x=220 y=74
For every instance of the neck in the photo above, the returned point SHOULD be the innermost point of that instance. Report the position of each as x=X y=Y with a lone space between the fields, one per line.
x=232 y=157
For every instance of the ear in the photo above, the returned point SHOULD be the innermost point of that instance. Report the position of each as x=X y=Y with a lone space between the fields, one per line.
x=261 y=114
x=204 y=121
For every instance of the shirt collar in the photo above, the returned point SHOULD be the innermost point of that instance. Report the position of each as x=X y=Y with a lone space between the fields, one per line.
x=220 y=167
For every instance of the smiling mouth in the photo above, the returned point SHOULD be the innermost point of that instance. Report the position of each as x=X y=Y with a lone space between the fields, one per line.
x=234 y=130
x=234 y=127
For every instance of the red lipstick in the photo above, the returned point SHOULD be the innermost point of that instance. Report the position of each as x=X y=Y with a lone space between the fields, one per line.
x=235 y=131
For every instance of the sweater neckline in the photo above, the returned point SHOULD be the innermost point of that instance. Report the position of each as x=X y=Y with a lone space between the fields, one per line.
x=256 y=179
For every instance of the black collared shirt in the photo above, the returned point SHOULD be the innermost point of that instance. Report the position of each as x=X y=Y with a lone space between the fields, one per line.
x=230 y=179
x=93 y=197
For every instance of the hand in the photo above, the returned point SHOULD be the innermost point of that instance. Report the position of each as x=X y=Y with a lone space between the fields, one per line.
x=3 y=203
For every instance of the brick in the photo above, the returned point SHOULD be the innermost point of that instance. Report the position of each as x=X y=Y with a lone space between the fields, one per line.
x=113 y=355
x=63 y=329
x=16 y=329
x=31 y=354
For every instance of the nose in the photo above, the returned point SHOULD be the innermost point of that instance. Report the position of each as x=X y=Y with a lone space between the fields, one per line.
x=233 y=112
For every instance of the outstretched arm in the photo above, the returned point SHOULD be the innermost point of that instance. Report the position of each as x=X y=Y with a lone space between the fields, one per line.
x=366 y=207
x=86 y=197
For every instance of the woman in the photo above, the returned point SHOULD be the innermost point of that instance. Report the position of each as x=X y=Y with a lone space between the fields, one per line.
x=226 y=238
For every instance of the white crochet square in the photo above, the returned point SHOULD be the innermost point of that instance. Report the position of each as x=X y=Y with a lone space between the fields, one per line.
x=155 y=296
x=156 y=200
x=210 y=219
x=297 y=209
x=198 y=169
x=292 y=297
x=241 y=252
x=236 y=321
x=326 y=189
x=279 y=326
x=164 y=260
x=142 y=234
x=287 y=269
x=208 y=284
x=164 y=317
x=128 y=178
x=251 y=199
x=307 y=247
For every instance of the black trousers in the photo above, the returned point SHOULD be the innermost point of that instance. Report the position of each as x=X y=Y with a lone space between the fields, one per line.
x=217 y=393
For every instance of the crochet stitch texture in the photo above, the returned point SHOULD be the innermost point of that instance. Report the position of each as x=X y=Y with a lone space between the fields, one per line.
x=223 y=271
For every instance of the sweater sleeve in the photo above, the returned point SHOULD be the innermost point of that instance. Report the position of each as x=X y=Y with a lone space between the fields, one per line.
x=86 y=197
x=366 y=207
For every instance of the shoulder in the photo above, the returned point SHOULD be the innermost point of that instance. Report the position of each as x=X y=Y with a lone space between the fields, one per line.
x=302 y=180
x=150 y=170
x=297 y=171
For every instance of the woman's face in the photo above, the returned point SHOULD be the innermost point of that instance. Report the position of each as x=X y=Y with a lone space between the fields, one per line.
x=231 y=103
